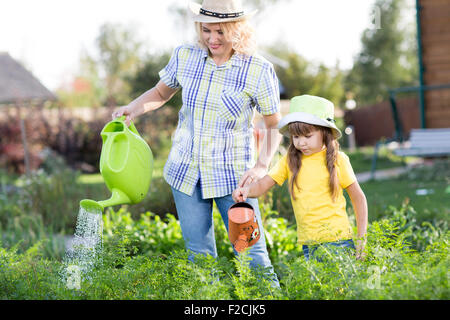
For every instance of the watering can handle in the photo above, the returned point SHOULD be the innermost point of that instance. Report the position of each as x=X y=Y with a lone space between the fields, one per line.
x=131 y=127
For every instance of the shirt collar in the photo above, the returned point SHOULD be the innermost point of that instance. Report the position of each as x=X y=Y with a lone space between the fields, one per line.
x=237 y=59
x=318 y=155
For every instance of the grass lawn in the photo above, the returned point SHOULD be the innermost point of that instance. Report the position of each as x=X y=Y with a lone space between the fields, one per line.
x=382 y=194
x=90 y=178
x=361 y=159
x=96 y=178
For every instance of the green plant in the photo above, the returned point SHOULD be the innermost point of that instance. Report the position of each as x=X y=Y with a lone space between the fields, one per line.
x=149 y=235
x=250 y=283
x=391 y=270
x=143 y=255
x=418 y=235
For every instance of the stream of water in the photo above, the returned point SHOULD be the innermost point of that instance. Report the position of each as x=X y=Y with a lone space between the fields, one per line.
x=84 y=251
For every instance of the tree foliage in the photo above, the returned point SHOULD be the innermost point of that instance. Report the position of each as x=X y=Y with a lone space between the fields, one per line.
x=388 y=55
x=148 y=76
x=303 y=77
x=116 y=59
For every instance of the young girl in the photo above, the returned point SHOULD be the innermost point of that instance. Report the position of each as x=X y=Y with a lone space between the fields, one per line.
x=317 y=173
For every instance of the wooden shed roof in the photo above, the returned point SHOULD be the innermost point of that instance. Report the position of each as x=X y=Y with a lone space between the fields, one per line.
x=18 y=84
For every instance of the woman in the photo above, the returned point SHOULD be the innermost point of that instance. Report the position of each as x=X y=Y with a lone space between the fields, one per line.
x=222 y=81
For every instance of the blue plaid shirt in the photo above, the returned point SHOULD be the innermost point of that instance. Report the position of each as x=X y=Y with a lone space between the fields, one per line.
x=214 y=141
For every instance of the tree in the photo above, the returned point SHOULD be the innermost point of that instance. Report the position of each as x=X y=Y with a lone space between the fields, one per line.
x=388 y=55
x=303 y=77
x=148 y=76
x=117 y=59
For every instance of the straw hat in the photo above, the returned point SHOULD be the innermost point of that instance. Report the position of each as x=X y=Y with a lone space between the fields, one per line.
x=312 y=110
x=216 y=11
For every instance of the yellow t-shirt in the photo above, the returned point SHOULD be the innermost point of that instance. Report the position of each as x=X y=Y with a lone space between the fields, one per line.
x=318 y=218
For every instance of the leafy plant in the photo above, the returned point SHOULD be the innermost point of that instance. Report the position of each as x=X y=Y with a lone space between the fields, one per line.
x=143 y=257
x=391 y=270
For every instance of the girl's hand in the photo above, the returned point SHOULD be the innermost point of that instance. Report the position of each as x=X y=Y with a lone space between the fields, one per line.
x=240 y=194
x=360 y=249
x=124 y=111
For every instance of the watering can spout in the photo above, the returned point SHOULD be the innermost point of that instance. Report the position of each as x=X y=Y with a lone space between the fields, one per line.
x=89 y=205
x=117 y=197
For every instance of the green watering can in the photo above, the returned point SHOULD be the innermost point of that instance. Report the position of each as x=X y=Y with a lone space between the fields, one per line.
x=126 y=164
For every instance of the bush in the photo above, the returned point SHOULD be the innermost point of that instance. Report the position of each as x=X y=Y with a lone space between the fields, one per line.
x=12 y=154
x=77 y=141
x=43 y=206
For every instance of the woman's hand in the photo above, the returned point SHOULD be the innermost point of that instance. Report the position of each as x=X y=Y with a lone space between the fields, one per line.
x=240 y=194
x=252 y=175
x=148 y=101
x=124 y=111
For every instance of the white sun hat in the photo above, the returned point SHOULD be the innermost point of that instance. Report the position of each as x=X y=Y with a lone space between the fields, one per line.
x=312 y=110
x=216 y=11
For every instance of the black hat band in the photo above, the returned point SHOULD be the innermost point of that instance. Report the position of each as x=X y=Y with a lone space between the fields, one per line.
x=221 y=15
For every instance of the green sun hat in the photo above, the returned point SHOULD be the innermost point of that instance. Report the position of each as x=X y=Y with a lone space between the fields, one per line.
x=312 y=110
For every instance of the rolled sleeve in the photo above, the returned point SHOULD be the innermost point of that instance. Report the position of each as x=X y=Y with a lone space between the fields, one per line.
x=268 y=92
x=169 y=73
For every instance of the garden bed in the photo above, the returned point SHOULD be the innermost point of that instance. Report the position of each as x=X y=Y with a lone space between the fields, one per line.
x=145 y=259
x=143 y=253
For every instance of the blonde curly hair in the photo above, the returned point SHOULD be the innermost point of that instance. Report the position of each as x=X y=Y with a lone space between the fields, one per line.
x=240 y=33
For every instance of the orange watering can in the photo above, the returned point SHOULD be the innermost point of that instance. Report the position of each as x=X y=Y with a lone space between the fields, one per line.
x=243 y=229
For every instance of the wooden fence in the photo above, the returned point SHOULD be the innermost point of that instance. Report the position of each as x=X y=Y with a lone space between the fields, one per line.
x=435 y=37
x=374 y=122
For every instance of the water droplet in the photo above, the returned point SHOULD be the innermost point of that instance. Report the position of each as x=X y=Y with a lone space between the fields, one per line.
x=84 y=250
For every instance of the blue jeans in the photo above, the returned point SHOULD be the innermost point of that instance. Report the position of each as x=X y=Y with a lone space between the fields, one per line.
x=196 y=221
x=334 y=247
